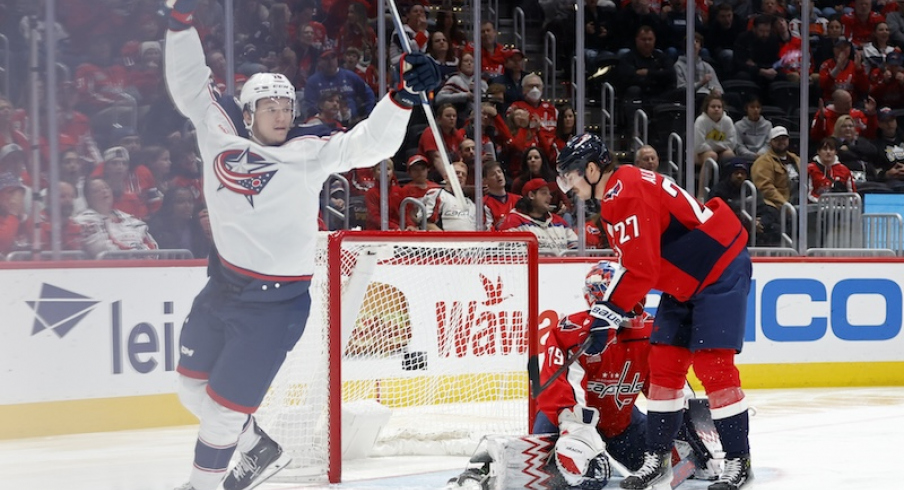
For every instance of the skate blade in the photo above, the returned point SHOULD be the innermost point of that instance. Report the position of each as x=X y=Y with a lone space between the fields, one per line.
x=271 y=470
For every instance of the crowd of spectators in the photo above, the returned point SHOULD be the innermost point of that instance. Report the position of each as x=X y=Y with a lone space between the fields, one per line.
x=121 y=140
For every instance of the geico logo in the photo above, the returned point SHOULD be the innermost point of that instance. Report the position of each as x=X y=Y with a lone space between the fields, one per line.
x=858 y=309
x=144 y=343
x=464 y=329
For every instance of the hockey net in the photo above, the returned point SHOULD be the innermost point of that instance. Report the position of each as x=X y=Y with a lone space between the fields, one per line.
x=430 y=330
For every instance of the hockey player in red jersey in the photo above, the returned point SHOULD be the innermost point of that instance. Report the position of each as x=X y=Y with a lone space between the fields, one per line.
x=697 y=256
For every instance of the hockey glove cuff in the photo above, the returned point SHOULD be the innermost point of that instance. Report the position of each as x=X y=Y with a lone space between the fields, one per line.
x=181 y=13
x=579 y=443
x=417 y=72
x=606 y=317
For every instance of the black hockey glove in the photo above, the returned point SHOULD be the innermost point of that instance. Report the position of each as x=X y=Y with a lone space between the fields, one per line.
x=181 y=13
x=415 y=73
x=606 y=317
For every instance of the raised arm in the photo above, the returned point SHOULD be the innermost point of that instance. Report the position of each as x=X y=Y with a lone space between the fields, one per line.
x=186 y=74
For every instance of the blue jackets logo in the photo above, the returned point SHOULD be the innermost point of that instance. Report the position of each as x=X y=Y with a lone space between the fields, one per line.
x=59 y=310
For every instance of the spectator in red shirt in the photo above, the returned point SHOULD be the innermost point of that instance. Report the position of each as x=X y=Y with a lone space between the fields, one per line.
x=147 y=75
x=356 y=32
x=496 y=199
x=307 y=54
x=826 y=116
x=12 y=212
x=826 y=173
x=446 y=120
x=860 y=24
x=372 y=200
x=116 y=173
x=8 y=132
x=845 y=71
x=492 y=54
x=541 y=111
x=418 y=168
x=186 y=168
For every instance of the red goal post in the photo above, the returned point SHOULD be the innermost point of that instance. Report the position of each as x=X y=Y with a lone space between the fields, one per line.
x=423 y=335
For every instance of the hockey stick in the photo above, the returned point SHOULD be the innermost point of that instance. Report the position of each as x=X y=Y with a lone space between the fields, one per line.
x=437 y=136
x=533 y=369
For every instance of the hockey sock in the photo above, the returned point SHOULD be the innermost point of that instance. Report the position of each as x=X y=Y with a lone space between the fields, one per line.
x=662 y=427
x=192 y=393
x=217 y=437
x=249 y=437
x=734 y=432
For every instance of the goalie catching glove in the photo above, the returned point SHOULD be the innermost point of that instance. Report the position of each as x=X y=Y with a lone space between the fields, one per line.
x=580 y=450
x=415 y=73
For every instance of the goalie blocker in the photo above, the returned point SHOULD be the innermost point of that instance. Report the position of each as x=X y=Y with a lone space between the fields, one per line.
x=528 y=462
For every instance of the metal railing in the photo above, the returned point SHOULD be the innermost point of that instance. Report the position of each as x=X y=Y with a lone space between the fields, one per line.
x=788 y=214
x=839 y=220
x=4 y=41
x=748 y=209
x=850 y=252
x=27 y=255
x=330 y=211
x=674 y=151
x=772 y=252
x=607 y=111
x=641 y=129
x=403 y=212
x=549 y=66
x=162 y=254
x=883 y=230
x=519 y=29
x=709 y=173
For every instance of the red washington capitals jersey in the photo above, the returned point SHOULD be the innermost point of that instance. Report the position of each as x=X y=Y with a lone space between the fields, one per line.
x=664 y=237
x=609 y=382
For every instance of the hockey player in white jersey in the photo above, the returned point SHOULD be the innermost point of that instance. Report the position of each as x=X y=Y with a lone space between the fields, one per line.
x=262 y=179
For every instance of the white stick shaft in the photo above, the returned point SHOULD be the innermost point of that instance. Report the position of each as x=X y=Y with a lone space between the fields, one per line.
x=437 y=136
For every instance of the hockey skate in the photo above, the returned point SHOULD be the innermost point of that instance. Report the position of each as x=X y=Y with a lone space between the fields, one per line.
x=655 y=474
x=735 y=474
x=186 y=486
x=256 y=466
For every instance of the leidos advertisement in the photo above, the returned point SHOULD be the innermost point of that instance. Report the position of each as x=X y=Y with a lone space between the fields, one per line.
x=72 y=334
x=91 y=333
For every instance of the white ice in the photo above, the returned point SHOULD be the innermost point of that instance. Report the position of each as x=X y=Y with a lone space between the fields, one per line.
x=838 y=438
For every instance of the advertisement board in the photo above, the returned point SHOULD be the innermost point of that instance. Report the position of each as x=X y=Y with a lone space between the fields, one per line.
x=77 y=344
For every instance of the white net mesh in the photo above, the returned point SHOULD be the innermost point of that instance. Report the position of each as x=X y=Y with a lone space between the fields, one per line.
x=439 y=334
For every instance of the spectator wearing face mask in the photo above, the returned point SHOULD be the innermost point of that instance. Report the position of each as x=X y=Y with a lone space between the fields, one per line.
x=543 y=114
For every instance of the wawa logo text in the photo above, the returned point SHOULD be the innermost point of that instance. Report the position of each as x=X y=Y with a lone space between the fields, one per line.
x=481 y=328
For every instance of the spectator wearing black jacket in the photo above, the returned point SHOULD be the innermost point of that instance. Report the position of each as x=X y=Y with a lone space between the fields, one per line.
x=756 y=52
x=724 y=29
x=644 y=74
x=631 y=18
x=890 y=146
x=768 y=231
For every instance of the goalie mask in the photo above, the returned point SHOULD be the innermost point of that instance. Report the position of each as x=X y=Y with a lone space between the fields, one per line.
x=600 y=279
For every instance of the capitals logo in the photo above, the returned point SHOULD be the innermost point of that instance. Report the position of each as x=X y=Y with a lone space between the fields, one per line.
x=614 y=191
x=240 y=171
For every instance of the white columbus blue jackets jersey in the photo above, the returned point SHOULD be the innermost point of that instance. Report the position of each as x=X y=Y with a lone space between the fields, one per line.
x=264 y=200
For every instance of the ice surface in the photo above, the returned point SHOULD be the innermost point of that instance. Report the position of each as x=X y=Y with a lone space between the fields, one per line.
x=838 y=438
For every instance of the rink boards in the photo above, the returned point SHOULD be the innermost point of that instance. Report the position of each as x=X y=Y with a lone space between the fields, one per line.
x=94 y=348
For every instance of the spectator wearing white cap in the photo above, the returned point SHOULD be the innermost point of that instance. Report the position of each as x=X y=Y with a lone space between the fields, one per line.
x=776 y=173
x=115 y=172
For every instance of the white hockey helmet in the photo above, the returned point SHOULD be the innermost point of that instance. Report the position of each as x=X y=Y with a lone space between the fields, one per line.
x=265 y=86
